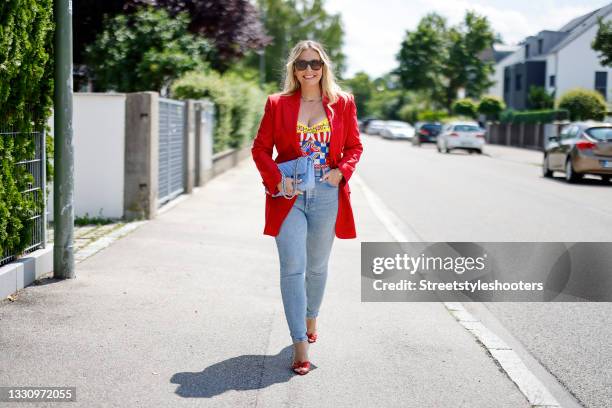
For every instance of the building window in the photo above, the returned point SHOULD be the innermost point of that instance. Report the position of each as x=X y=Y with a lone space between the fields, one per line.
x=526 y=50
x=506 y=83
x=601 y=83
x=517 y=83
x=540 y=45
x=551 y=81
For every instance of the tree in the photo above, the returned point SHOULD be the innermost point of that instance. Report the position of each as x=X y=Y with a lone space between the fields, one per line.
x=422 y=56
x=144 y=51
x=361 y=86
x=463 y=67
x=538 y=98
x=232 y=26
x=440 y=60
x=290 y=21
x=583 y=104
x=88 y=17
x=603 y=42
x=491 y=107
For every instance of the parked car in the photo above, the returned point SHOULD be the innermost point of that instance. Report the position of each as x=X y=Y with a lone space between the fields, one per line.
x=581 y=148
x=426 y=132
x=461 y=135
x=365 y=122
x=394 y=129
x=374 y=127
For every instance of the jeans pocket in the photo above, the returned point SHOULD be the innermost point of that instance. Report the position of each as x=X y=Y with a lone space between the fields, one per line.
x=328 y=184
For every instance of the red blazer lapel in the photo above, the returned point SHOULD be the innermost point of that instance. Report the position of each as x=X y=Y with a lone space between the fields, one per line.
x=291 y=112
x=334 y=124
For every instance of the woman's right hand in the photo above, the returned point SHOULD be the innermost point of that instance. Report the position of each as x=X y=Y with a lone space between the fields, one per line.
x=288 y=185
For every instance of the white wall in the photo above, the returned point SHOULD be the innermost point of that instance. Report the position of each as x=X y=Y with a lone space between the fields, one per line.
x=577 y=63
x=99 y=143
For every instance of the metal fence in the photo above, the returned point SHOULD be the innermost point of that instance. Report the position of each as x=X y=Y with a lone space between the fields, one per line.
x=527 y=135
x=171 y=149
x=36 y=166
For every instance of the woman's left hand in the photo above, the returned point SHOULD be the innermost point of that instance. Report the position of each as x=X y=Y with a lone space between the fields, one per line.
x=333 y=177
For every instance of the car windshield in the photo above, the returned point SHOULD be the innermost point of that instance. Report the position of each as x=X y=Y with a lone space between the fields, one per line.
x=432 y=127
x=600 y=133
x=466 y=128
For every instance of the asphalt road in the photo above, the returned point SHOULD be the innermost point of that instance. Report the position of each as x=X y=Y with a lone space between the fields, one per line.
x=502 y=196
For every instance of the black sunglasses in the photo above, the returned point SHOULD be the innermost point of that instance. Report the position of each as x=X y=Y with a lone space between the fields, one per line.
x=315 y=64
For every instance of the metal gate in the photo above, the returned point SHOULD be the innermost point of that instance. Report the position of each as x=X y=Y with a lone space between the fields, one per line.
x=171 y=149
x=36 y=166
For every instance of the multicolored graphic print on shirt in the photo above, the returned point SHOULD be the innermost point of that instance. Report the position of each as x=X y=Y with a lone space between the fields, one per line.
x=314 y=141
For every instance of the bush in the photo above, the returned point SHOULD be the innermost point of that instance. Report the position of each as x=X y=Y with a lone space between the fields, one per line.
x=238 y=103
x=539 y=99
x=26 y=90
x=583 y=104
x=464 y=107
x=491 y=107
x=535 y=116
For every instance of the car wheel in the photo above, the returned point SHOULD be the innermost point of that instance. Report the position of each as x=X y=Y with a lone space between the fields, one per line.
x=570 y=175
x=546 y=171
x=478 y=151
x=438 y=147
x=446 y=149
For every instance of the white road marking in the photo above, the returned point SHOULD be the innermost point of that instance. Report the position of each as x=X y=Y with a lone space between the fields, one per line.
x=532 y=388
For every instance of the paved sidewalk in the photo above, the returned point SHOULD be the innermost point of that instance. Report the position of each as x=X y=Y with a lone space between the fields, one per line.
x=186 y=311
x=514 y=154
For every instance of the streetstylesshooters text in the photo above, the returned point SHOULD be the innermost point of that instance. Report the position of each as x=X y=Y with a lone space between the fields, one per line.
x=425 y=264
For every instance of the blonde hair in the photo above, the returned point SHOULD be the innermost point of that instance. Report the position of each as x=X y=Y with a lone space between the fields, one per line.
x=328 y=84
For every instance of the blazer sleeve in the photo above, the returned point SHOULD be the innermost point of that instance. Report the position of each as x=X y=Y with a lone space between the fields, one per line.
x=262 y=151
x=353 y=148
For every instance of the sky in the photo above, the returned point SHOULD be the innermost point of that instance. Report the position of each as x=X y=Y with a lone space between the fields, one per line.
x=374 y=29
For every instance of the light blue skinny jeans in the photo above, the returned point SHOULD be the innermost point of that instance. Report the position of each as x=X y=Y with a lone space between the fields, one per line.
x=304 y=243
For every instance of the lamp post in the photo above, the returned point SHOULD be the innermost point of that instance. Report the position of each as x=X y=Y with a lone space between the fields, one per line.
x=63 y=180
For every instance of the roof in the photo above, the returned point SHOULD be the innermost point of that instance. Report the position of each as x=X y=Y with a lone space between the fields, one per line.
x=579 y=25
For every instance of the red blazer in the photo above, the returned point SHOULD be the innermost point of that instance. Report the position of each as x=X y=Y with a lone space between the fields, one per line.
x=278 y=128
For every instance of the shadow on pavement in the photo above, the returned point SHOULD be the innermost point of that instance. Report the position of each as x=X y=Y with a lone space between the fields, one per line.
x=237 y=373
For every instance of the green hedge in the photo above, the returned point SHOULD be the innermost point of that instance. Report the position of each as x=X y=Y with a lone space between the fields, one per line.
x=535 y=116
x=26 y=89
x=238 y=103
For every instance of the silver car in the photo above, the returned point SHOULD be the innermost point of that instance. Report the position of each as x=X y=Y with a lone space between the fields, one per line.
x=461 y=135
x=394 y=129
x=374 y=127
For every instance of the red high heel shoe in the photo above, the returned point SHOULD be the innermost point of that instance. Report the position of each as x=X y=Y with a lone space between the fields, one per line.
x=301 y=365
x=312 y=337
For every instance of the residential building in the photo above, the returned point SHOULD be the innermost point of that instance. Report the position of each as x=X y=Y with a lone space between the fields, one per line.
x=556 y=60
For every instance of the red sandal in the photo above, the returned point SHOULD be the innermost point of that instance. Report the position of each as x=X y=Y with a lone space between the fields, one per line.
x=299 y=365
x=312 y=337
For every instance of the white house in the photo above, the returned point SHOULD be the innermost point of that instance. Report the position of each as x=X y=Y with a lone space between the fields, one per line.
x=557 y=60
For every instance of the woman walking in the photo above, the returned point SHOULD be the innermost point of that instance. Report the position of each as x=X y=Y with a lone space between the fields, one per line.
x=311 y=116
